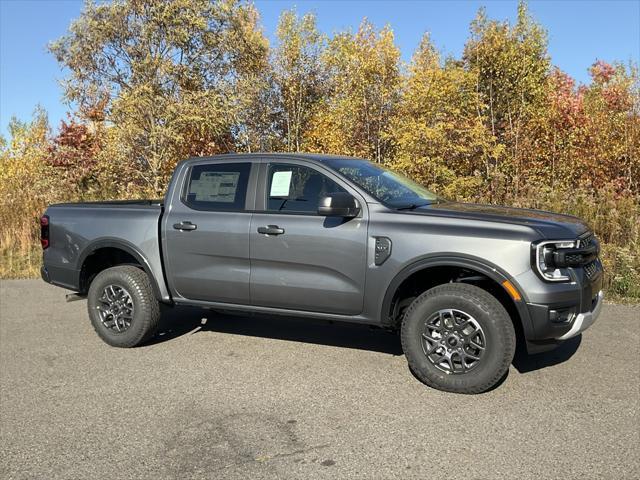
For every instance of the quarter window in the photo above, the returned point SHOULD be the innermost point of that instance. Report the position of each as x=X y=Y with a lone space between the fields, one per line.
x=295 y=188
x=218 y=186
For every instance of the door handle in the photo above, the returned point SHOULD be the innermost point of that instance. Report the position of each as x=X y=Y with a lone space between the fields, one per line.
x=271 y=230
x=185 y=226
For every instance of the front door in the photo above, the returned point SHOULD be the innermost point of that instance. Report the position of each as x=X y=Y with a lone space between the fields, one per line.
x=207 y=234
x=300 y=260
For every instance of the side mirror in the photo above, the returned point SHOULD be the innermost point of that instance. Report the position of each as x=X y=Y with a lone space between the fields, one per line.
x=338 y=204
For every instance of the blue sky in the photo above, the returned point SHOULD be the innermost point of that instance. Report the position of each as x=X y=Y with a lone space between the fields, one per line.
x=579 y=33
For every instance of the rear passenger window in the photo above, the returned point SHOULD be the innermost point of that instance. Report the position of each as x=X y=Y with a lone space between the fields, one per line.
x=218 y=186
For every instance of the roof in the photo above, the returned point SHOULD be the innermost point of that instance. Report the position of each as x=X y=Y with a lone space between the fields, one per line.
x=318 y=157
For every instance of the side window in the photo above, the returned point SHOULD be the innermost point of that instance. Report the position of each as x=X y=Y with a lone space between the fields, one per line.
x=217 y=186
x=295 y=188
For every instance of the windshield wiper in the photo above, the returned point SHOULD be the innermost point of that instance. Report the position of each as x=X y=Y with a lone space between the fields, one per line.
x=413 y=206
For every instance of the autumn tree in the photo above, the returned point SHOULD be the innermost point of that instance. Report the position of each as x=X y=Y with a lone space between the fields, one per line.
x=363 y=82
x=172 y=71
x=74 y=152
x=298 y=74
x=24 y=157
x=255 y=121
x=441 y=140
x=25 y=182
x=612 y=110
x=511 y=65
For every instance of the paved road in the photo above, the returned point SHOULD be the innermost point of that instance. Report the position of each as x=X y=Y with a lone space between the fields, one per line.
x=250 y=397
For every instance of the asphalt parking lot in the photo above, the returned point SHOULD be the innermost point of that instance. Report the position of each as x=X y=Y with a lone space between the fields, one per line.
x=248 y=397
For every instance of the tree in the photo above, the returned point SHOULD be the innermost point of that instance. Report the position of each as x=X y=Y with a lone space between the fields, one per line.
x=23 y=158
x=255 y=126
x=74 y=154
x=511 y=65
x=171 y=71
x=440 y=140
x=298 y=75
x=612 y=109
x=363 y=81
x=585 y=135
x=26 y=181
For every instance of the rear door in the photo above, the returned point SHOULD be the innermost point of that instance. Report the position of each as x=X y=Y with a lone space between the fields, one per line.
x=300 y=260
x=206 y=228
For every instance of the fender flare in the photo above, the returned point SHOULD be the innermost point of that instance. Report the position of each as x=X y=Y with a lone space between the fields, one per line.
x=127 y=247
x=492 y=271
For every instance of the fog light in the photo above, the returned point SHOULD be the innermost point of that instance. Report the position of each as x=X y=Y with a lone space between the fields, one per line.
x=562 y=316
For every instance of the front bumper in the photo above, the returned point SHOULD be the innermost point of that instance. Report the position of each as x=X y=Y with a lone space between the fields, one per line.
x=585 y=320
x=549 y=303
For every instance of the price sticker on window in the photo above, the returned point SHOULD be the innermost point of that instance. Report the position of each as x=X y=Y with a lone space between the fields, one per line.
x=280 y=184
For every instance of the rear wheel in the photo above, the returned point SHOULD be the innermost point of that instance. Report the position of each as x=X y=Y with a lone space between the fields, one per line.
x=122 y=307
x=458 y=338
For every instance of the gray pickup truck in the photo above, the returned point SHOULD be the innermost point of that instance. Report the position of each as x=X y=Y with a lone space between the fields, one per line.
x=319 y=236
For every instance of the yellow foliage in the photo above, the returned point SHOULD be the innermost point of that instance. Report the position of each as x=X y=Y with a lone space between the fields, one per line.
x=363 y=89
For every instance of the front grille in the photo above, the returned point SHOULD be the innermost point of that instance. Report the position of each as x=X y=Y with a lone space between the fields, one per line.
x=591 y=269
x=587 y=240
x=573 y=258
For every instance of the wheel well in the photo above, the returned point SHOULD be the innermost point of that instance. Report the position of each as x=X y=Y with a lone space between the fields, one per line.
x=429 y=277
x=100 y=260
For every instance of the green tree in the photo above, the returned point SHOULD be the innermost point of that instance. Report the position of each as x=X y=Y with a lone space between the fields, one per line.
x=172 y=72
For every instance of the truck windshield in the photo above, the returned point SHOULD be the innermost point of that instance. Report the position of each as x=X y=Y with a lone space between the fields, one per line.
x=391 y=188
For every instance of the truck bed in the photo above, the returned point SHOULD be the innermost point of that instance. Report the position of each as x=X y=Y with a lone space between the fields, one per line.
x=79 y=230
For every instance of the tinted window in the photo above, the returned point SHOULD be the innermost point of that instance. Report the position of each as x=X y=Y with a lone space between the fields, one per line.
x=294 y=188
x=218 y=186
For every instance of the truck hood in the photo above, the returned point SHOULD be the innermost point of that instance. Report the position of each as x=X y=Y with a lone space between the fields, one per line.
x=548 y=224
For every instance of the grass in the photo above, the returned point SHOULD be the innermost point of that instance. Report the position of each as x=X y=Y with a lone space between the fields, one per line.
x=15 y=263
x=622 y=267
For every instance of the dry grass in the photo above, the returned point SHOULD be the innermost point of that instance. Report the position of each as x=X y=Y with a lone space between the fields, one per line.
x=15 y=263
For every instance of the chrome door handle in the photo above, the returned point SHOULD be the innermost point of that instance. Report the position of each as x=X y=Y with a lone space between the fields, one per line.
x=271 y=230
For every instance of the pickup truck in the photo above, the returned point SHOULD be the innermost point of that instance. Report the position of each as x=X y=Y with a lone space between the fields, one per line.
x=338 y=238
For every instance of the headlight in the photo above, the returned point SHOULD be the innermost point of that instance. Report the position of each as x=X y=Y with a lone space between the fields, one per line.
x=545 y=260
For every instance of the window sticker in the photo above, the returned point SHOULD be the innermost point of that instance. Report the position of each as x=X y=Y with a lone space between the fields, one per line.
x=216 y=187
x=280 y=184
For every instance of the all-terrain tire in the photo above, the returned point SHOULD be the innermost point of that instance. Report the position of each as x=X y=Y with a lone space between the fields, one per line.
x=146 y=308
x=491 y=316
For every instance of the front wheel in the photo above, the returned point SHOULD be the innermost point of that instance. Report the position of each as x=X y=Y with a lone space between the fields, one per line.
x=122 y=307
x=458 y=338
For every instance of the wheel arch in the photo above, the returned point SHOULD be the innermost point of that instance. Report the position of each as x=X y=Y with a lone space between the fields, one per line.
x=109 y=248
x=441 y=263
